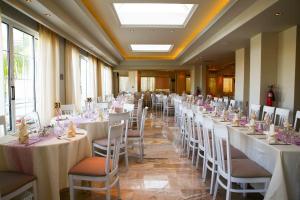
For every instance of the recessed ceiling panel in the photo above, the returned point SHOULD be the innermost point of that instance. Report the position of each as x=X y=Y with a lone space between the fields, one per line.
x=154 y=14
x=151 y=47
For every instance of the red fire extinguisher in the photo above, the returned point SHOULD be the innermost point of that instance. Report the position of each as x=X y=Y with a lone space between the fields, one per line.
x=270 y=96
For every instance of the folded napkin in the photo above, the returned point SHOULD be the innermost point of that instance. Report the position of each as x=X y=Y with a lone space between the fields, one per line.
x=23 y=132
x=71 y=132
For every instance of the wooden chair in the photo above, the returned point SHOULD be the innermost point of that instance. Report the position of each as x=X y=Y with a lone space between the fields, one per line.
x=138 y=135
x=100 y=169
x=240 y=171
x=3 y=124
x=254 y=109
x=268 y=110
x=68 y=109
x=100 y=145
x=281 y=115
x=13 y=184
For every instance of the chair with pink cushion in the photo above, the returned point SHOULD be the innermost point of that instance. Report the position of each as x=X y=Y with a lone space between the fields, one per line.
x=100 y=169
x=239 y=171
x=13 y=184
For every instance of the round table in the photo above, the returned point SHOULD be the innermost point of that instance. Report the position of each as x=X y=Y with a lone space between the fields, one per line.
x=48 y=158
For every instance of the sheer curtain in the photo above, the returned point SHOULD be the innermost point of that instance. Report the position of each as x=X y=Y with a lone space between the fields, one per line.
x=106 y=79
x=47 y=87
x=132 y=76
x=72 y=73
x=2 y=94
x=92 y=74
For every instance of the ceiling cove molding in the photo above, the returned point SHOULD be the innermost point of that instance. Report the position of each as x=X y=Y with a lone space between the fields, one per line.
x=89 y=46
x=234 y=24
x=210 y=18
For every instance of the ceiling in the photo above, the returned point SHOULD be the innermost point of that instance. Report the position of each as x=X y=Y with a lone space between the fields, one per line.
x=94 y=27
x=181 y=38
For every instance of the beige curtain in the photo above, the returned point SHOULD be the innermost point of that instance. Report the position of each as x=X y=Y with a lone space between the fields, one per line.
x=72 y=73
x=47 y=87
x=2 y=94
x=92 y=73
x=132 y=78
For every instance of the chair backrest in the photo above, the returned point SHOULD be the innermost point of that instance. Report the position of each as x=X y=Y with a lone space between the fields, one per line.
x=232 y=103
x=128 y=107
x=103 y=106
x=208 y=138
x=220 y=100
x=115 y=118
x=268 y=110
x=33 y=122
x=99 y=99
x=113 y=148
x=281 y=115
x=296 y=119
x=142 y=121
x=254 y=109
x=68 y=109
x=190 y=123
x=198 y=129
x=226 y=102
x=221 y=135
x=3 y=124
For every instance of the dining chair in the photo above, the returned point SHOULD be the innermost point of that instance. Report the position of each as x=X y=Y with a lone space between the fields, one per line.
x=240 y=171
x=33 y=122
x=210 y=159
x=138 y=135
x=3 y=124
x=297 y=117
x=199 y=131
x=167 y=107
x=158 y=103
x=12 y=184
x=100 y=145
x=100 y=169
x=68 y=109
x=254 y=108
x=129 y=107
x=103 y=106
x=189 y=134
x=268 y=110
x=136 y=114
x=281 y=115
x=232 y=103
x=226 y=102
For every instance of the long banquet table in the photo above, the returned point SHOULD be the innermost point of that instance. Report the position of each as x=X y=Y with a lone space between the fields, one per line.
x=49 y=160
x=282 y=161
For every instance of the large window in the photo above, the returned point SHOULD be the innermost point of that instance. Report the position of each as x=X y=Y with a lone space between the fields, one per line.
x=83 y=78
x=18 y=48
x=106 y=81
x=147 y=83
x=123 y=84
x=227 y=85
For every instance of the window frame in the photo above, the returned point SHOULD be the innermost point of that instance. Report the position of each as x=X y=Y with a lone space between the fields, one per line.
x=11 y=25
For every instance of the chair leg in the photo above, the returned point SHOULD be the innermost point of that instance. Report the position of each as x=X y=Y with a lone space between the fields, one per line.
x=212 y=178
x=107 y=185
x=72 y=197
x=228 y=193
x=35 y=195
x=204 y=171
x=118 y=190
x=126 y=157
x=198 y=157
x=193 y=154
x=141 y=150
x=216 y=187
x=244 y=186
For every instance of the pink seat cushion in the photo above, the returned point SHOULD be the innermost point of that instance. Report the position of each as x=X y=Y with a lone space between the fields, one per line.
x=93 y=166
x=245 y=168
x=133 y=133
x=11 y=181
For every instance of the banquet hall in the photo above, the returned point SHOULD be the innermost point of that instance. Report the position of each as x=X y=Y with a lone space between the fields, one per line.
x=149 y=99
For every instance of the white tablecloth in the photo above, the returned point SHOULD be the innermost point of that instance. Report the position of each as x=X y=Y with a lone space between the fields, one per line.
x=48 y=160
x=283 y=161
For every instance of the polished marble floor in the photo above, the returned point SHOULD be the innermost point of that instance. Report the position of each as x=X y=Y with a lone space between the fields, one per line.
x=165 y=174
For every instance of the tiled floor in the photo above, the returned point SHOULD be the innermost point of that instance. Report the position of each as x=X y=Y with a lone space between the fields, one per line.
x=165 y=174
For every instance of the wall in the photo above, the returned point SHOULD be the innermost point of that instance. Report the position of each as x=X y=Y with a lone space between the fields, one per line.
x=162 y=83
x=180 y=82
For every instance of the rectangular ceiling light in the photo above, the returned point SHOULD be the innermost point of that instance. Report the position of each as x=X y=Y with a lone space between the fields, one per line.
x=154 y=14
x=151 y=47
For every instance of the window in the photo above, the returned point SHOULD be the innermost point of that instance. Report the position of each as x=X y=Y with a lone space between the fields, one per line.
x=106 y=81
x=18 y=73
x=123 y=84
x=147 y=84
x=154 y=14
x=227 y=85
x=83 y=78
